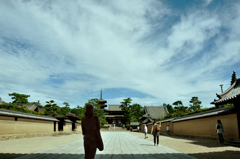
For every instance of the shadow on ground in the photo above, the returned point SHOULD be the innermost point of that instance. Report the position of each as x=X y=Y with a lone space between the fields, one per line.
x=218 y=155
x=209 y=155
x=200 y=141
x=98 y=156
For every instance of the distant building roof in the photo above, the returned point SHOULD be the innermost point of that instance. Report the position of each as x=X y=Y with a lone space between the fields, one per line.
x=214 y=112
x=114 y=107
x=30 y=106
x=155 y=112
x=228 y=95
x=25 y=115
x=112 y=116
x=134 y=123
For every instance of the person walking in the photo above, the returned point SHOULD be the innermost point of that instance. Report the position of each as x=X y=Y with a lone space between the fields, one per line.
x=220 y=131
x=138 y=128
x=168 y=129
x=155 y=132
x=145 y=130
x=91 y=132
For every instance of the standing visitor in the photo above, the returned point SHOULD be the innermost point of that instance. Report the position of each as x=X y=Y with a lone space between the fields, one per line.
x=91 y=132
x=220 y=131
x=138 y=128
x=145 y=130
x=155 y=132
x=168 y=129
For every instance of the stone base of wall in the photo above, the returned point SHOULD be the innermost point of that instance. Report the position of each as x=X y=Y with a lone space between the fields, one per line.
x=19 y=136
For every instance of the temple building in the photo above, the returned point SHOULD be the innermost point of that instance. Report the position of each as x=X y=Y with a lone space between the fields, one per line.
x=151 y=113
x=231 y=96
x=115 y=115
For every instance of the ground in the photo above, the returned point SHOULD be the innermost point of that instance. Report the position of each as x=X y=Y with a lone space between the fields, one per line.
x=199 y=148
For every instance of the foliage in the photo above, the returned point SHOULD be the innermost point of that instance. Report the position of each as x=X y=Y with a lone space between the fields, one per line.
x=160 y=118
x=66 y=109
x=179 y=106
x=132 y=112
x=233 y=77
x=97 y=110
x=169 y=107
x=15 y=107
x=19 y=98
x=195 y=104
x=51 y=107
x=104 y=126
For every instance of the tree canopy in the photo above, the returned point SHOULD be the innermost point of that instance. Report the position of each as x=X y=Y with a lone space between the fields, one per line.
x=19 y=98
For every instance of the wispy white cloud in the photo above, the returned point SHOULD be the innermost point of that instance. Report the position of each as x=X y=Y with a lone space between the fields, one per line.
x=68 y=50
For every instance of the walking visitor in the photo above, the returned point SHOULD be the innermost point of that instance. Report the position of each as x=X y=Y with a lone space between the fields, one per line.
x=220 y=131
x=91 y=132
x=168 y=129
x=145 y=130
x=155 y=132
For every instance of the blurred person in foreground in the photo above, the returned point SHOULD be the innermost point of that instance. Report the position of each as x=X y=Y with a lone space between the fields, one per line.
x=91 y=132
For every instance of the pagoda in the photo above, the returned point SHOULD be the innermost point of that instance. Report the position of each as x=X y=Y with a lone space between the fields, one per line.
x=102 y=102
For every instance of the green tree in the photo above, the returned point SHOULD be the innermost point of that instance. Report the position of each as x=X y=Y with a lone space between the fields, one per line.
x=137 y=111
x=195 y=104
x=19 y=98
x=66 y=109
x=97 y=110
x=169 y=107
x=126 y=107
x=179 y=106
x=51 y=107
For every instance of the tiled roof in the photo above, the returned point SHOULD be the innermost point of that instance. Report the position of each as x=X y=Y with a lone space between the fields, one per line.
x=213 y=112
x=112 y=116
x=41 y=110
x=134 y=123
x=30 y=106
x=231 y=93
x=78 y=121
x=68 y=121
x=156 y=111
x=71 y=115
x=25 y=115
x=114 y=107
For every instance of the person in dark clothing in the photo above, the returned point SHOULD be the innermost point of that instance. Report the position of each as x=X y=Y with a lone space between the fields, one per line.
x=90 y=126
x=220 y=131
x=155 y=133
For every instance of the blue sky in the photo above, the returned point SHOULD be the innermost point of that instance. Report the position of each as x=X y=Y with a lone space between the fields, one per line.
x=152 y=51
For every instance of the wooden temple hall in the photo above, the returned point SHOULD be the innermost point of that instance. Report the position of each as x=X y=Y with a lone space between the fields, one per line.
x=114 y=114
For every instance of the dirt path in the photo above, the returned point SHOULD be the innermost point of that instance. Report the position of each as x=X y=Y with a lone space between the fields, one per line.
x=199 y=148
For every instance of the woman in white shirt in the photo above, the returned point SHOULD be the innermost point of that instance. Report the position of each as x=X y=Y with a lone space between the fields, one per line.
x=220 y=131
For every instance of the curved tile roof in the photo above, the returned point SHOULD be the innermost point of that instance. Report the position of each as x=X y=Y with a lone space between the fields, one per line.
x=25 y=115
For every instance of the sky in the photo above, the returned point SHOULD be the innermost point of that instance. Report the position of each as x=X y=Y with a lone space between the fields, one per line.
x=154 y=51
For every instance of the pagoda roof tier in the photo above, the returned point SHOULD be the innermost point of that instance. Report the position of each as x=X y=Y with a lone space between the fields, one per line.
x=232 y=93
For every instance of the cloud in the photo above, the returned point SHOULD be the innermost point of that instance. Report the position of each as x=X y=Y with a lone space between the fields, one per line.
x=67 y=51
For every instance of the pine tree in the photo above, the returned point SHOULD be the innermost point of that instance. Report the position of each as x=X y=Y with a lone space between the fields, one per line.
x=233 y=77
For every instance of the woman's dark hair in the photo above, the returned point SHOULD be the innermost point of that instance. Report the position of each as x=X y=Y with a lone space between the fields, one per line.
x=155 y=121
x=219 y=121
x=89 y=110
